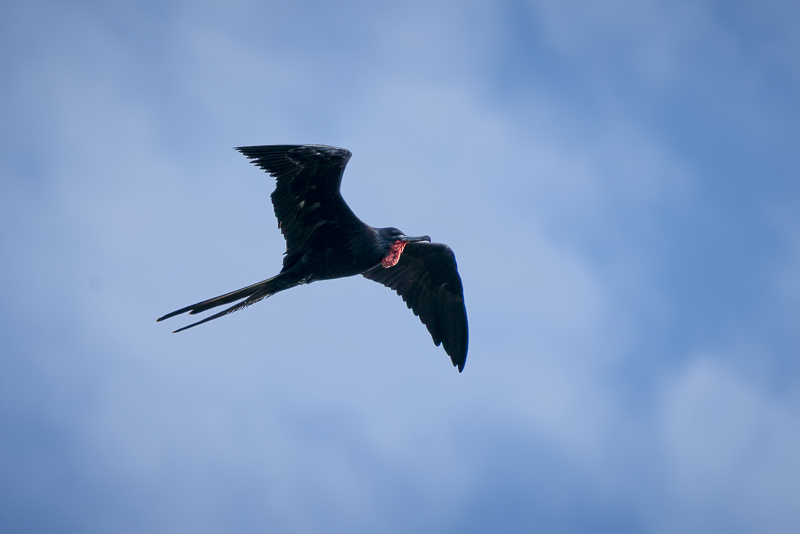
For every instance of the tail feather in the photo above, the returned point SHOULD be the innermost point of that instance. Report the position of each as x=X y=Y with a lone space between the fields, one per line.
x=236 y=307
x=251 y=294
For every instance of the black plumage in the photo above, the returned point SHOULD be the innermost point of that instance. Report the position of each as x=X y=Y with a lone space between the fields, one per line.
x=325 y=240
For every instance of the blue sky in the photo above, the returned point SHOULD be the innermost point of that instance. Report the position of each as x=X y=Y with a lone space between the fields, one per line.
x=619 y=183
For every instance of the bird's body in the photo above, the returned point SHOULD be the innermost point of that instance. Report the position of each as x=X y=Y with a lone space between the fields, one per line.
x=325 y=240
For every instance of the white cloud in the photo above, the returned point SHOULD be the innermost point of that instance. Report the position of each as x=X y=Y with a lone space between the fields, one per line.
x=731 y=447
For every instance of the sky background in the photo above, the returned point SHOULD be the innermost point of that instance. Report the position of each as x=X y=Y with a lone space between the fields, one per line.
x=618 y=180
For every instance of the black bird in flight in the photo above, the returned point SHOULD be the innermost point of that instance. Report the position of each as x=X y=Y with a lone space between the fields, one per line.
x=325 y=240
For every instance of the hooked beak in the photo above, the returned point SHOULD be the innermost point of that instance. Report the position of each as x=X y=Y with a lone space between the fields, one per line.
x=413 y=239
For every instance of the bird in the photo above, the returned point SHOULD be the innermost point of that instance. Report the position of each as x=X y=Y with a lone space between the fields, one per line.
x=326 y=240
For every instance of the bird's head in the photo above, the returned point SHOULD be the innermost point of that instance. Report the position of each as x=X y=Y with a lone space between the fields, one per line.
x=393 y=241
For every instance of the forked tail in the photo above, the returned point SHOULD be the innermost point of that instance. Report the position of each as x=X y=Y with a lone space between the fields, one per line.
x=250 y=294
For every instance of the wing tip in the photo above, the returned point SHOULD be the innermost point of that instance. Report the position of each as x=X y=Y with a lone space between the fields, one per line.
x=256 y=151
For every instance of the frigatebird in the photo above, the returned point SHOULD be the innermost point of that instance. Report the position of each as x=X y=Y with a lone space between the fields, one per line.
x=325 y=240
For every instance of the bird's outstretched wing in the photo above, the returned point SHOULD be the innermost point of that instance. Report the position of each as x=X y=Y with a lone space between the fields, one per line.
x=427 y=278
x=306 y=194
